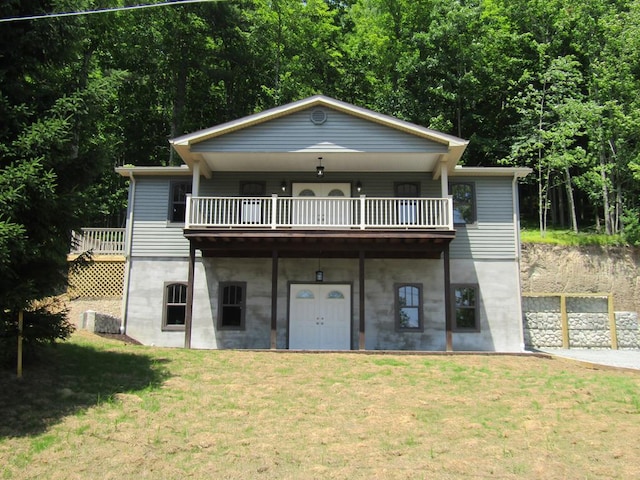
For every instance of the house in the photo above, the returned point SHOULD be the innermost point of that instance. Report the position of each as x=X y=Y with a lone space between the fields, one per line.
x=319 y=225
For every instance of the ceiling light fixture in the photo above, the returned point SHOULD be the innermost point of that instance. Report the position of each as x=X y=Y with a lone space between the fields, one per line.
x=320 y=169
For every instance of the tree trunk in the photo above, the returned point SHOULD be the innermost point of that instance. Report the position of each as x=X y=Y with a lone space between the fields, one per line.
x=545 y=202
x=542 y=202
x=605 y=196
x=570 y=200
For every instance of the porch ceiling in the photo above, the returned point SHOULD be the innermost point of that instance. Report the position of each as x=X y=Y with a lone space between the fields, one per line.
x=332 y=161
x=323 y=244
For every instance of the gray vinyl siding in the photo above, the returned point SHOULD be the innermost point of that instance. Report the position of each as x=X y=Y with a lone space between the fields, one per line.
x=373 y=184
x=493 y=236
x=296 y=132
x=153 y=235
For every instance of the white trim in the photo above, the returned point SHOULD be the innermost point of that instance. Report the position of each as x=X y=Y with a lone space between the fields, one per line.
x=127 y=171
x=518 y=251
x=520 y=172
x=195 y=181
x=128 y=249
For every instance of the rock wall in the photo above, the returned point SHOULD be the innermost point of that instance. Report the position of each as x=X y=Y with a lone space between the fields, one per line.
x=593 y=269
x=584 y=324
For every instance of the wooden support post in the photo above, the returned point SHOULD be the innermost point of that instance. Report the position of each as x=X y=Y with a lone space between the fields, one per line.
x=361 y=338
x=612 y=323
x=20 y=332
x=447 y=300
x=564 y=321
x=189 y=307
x=274 y=300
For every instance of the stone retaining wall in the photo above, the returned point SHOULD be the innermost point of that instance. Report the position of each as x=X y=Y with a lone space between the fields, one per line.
x=575 y=321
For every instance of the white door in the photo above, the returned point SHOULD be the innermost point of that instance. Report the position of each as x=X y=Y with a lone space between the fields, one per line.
x=321 y=204
x=320 y=317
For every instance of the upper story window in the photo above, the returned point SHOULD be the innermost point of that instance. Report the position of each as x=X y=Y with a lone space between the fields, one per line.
x=464 y=203
x=175 y=306
x=407 y=189
x=253 y=189
x=231 y=306
x=465 y=308
x=408 y=307
x=178 y=201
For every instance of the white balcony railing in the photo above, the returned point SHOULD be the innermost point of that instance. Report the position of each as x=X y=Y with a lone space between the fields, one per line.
x=100 y=241
x=320 y=212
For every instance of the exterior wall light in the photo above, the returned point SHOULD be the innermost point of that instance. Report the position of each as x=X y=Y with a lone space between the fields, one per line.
x=319 y=276
x=283 y=186
x=359 y=186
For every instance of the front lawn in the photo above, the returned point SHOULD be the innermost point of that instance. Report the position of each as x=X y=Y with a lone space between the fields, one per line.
x=103 y=409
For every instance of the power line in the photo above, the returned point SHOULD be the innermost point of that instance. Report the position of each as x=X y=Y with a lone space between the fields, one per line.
x=102 y=10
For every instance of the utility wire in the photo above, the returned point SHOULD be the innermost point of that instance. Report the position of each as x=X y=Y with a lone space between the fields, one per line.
x=102 y=10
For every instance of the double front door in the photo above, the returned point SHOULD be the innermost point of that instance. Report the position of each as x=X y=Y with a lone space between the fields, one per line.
x=320 y=317
x=321 y=204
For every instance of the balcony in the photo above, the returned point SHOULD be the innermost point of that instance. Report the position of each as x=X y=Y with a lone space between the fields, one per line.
x=319 y=213
x=99 y=241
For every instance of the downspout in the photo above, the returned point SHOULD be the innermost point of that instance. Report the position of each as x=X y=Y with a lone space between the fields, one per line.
x=127 y=253
x=518 y=253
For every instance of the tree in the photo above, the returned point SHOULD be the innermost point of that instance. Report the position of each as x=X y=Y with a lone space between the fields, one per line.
x=51 y=153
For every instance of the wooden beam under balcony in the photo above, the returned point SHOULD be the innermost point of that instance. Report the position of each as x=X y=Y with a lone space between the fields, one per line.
x=320 y=243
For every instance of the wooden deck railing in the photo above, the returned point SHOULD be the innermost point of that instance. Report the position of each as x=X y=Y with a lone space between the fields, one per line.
x=319 y=212
x=100 y=241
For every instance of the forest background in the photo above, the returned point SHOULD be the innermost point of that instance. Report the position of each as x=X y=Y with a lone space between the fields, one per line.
x=549 y=84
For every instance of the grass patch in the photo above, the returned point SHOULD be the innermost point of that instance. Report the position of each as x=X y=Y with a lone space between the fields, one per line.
x=100 y=409
x=570 y=238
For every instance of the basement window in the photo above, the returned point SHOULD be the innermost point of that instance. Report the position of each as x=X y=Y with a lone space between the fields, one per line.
x=408 y=307
x=232 y=305
x=175 y=306
x=465 y=308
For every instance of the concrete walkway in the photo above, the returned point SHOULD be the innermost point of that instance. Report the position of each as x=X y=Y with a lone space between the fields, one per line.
x=612 y=358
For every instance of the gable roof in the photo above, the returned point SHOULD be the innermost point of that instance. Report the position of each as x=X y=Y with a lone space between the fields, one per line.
x=316 y=101
x=196 y=145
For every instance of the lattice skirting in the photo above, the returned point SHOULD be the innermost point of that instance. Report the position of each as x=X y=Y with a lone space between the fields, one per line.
x=101 y=278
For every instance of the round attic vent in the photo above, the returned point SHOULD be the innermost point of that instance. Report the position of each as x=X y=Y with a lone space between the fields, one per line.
x=318 y=116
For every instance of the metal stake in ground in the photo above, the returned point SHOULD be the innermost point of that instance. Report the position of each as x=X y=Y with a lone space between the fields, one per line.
x=20 y=325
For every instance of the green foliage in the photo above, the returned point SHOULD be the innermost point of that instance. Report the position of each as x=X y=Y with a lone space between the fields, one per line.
x=631 y=230
x=570 y=238
x=44 y=323
x=58 y=136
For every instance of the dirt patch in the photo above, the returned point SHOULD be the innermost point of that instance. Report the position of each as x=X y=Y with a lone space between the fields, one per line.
x=593 y=269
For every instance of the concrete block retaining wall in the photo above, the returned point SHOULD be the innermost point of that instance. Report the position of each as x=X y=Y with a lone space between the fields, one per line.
x=100 y=322
x=576 y=321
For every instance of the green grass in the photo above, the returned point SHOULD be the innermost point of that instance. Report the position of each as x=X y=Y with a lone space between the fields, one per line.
x=569 y=238
x=101 y=409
